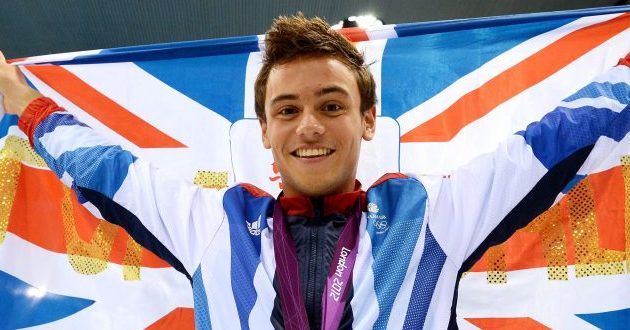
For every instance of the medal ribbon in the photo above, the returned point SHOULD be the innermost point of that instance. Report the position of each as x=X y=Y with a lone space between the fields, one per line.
x=337 y=286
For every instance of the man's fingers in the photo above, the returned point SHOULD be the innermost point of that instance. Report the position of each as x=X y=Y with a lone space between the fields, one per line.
x=2 y=59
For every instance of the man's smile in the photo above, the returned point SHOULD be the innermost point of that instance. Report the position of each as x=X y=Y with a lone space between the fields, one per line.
x=312 y=152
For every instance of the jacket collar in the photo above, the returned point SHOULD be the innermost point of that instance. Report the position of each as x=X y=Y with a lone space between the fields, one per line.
x=343 y=203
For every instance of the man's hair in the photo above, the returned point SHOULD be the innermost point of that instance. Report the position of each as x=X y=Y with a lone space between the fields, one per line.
x=290 y=38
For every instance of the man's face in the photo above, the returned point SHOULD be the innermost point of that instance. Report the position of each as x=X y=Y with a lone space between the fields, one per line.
x=314 y=126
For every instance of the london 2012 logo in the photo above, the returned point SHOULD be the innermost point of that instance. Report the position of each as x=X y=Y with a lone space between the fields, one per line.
x=380 y=221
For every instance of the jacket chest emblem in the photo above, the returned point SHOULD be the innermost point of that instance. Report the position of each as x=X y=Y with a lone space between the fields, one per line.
x=380 y=220
x=254 y=226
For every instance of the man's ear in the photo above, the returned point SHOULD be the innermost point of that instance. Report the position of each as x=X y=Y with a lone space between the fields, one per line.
x=369 y=123
x=263 y=128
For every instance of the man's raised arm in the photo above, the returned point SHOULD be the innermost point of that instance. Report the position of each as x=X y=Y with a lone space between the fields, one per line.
x=171 y=217
x=486 y=201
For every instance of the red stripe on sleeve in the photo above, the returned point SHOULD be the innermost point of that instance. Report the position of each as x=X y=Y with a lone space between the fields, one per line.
x=34 y=113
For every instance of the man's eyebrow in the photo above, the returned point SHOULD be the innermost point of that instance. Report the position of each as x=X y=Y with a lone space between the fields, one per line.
x=332 y=89
x=321 y=92
x=284 y=97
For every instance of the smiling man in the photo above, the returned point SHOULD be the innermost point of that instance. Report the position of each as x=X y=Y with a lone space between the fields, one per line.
x=315 y=99
x=313 y=123
x=325 y=254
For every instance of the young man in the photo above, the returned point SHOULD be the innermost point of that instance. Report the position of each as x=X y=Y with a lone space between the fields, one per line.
x=326 y=254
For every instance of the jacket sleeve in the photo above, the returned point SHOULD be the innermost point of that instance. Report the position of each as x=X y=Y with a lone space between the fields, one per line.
x=167 y=215
x=483 y=203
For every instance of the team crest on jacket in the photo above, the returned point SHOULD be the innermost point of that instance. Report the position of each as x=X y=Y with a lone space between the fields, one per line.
x=372 y=208
x=254 y=226
x=380 y=220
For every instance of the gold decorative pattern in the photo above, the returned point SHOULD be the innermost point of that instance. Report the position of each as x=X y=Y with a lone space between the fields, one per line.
x=19 y=149
x=86 y=258
x=9 y=175
x=14 y=151
x=210 y=179
x=625 y=169
x=497 y=269
x=131 y=263
x=549 y=227
x=590 y=259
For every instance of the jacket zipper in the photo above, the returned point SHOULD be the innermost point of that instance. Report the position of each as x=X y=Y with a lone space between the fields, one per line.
x=312 y=270
x=314 y=258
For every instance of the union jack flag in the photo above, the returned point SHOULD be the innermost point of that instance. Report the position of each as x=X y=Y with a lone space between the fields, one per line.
x=448 y=92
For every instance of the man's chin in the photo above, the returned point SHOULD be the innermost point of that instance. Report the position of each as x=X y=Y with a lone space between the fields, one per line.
x=313 y=192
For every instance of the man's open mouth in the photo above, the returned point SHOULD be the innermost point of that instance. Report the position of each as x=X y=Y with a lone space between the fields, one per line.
x=312 y=152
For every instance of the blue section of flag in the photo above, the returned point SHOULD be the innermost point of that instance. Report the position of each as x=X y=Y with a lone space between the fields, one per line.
x=435 y=61
x=394 y=231
x=617 y=91
x=200 y=299
x=578 y=128
x=23 y=305
x=429 y=269
x=7 y=121
x=166 y=51
x=247 y=216
x=216 y=82
x=619 y=319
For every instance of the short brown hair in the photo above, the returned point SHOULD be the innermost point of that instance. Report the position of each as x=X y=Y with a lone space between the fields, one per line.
x=293 y=37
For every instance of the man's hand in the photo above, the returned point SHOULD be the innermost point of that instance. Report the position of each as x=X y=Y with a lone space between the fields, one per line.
x=17 y=94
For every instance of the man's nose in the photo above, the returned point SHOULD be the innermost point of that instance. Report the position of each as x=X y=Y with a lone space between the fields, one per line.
x=310 y=126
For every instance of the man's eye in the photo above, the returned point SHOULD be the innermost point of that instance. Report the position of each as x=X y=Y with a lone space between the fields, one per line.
x=331 y=107
x=287 y=111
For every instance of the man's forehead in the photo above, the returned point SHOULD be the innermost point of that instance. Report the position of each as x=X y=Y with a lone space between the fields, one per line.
x=304 y=62
x=317 y=76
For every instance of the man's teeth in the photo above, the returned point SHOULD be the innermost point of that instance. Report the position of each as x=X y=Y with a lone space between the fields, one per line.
x=313 y=152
